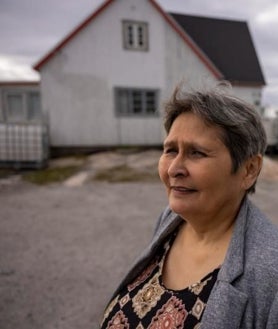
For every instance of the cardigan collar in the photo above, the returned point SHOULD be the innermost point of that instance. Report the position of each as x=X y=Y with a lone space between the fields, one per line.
x=235 y=252
x=226 y=303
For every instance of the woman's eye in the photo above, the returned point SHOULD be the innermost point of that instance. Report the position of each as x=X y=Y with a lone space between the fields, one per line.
x=170 y=151
x=198 y=154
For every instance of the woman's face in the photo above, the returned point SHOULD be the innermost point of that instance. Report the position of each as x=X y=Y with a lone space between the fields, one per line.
x=196 y=168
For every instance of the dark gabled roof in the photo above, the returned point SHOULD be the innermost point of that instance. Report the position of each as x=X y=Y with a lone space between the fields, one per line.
x=227 y=43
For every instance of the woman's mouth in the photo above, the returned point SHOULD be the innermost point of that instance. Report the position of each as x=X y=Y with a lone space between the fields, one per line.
x=182 y=189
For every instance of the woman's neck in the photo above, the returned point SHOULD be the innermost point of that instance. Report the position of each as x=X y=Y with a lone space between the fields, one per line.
x=211 y=228
x=208 y=236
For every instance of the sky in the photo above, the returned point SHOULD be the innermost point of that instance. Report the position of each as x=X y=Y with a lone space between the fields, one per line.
x=31 y=28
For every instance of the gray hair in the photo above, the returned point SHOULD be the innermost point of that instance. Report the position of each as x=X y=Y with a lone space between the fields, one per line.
x=242 y=131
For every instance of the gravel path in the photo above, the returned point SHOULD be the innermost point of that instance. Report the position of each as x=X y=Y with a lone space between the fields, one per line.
x=64 y=249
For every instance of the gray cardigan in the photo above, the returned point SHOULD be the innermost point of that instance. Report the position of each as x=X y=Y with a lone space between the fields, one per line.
x=246 y=292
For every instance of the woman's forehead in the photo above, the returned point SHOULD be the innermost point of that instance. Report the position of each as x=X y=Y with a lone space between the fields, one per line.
x=190 y=122
x=190 y=129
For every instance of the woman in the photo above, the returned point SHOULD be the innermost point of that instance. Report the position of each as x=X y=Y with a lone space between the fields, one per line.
x=213 y=260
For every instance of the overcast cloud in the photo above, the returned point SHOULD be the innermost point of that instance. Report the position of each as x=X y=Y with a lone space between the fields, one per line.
x=31 y=28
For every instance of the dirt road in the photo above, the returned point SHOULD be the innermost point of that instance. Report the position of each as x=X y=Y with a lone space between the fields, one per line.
x=63 y=249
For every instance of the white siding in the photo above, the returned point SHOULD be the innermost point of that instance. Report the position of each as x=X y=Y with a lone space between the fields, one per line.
x=78 y=83
x=1 y=105
x=252 y=95
x=183 y=64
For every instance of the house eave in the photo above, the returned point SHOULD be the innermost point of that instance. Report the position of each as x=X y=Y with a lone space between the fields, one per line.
x=18 y=83
x=37 y=66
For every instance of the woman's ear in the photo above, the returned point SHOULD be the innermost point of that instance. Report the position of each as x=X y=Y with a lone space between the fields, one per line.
x=253 y=167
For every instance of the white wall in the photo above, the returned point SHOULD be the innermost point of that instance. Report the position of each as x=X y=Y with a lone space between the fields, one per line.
x=183 y=64
x=78 y=83
x=1 y=105
x=252 y=95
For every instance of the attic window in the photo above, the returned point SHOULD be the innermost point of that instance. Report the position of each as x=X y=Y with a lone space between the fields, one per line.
x=136 y=102
x=135 y=35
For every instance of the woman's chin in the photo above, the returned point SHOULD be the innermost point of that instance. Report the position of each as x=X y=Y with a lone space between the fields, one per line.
x=180 y=208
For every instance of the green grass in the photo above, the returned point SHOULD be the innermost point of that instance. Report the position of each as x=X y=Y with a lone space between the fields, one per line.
x=50 y=175
x=125 y=174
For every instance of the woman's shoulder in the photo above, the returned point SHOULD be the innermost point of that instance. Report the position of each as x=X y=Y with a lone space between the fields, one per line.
x=262 y=236
x=261 y=225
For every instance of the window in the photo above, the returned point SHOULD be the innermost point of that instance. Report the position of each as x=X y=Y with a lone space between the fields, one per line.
x=33 y=106
x=15 y=108
x=135 y=35
x=256 y=95
x=22 y=106
x=136 y=101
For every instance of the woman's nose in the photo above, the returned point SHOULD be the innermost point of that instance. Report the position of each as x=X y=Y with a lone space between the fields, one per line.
x=178 y=167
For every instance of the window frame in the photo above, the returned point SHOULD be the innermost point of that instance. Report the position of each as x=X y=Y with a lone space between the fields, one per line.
x=25 y=96
x=35 y=116
x=130 y=102
x=127 y=25
x=8 y=116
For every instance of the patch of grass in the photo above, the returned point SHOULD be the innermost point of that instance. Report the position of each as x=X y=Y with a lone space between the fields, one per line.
x=50 y=175
x=124 y=173
x=5 y=173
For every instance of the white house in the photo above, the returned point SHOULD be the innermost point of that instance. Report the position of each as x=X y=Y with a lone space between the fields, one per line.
x=104 y=84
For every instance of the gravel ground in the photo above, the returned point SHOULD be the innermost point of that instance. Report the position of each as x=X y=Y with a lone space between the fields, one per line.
x=64 y=249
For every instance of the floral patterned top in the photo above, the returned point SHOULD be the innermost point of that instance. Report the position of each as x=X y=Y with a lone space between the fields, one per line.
x=147 y=304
